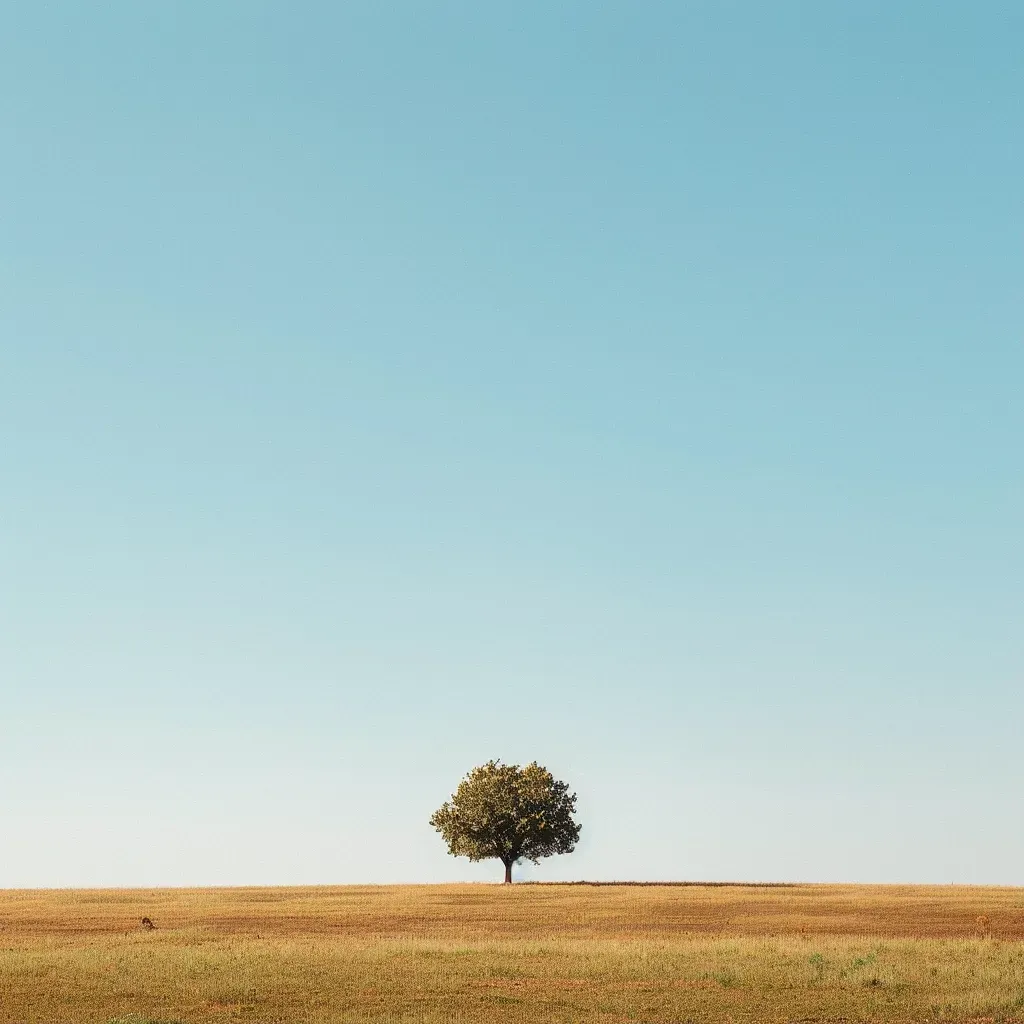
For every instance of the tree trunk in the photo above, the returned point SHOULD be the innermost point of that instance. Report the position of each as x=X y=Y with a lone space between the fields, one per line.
x=508 y=872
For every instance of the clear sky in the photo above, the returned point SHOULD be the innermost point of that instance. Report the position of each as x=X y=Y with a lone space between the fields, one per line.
x=633 y=387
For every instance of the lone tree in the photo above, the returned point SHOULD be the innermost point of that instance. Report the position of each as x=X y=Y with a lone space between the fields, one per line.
x=508 y=812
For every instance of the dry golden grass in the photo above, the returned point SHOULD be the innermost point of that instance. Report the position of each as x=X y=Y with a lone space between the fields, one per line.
x=475 y=953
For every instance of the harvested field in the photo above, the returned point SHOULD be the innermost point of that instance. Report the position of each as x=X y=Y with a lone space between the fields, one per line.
x=650 y=954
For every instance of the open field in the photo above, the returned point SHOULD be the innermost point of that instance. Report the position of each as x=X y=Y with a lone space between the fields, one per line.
x=526 y=953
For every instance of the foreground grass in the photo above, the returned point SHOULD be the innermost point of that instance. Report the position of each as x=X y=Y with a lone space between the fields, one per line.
x=527 y=954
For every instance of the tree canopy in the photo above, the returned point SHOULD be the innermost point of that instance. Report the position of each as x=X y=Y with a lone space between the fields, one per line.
x=508 y=813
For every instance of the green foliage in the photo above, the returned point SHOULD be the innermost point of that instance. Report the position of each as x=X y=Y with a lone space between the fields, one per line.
x=819 y=963
x=508 y=813
x=864 y=961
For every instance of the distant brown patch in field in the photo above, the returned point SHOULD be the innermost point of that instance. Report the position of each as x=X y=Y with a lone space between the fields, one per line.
x=663 y=885
x=581 y=984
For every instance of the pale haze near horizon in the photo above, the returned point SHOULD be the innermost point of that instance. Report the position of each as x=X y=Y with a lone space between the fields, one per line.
x=633 y=388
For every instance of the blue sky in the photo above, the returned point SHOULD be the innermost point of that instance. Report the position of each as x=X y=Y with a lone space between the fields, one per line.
x=631 y=387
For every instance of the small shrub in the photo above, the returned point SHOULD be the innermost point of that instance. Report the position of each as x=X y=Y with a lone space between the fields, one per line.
x=818 y=962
